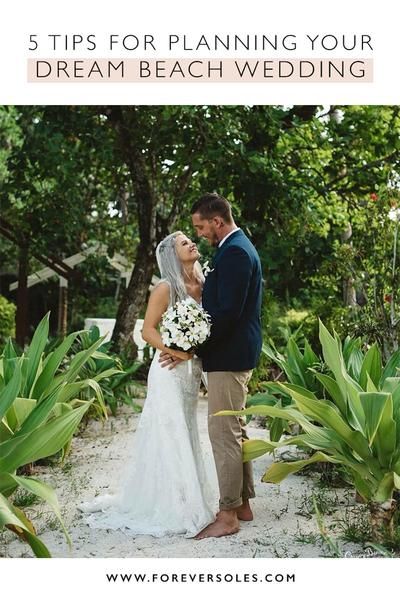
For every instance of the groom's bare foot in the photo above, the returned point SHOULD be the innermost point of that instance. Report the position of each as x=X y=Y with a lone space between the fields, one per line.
x=226 y=523
x=244 y=512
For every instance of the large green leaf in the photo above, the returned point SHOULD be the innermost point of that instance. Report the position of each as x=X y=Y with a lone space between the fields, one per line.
x=5 y=431
x=354 y=364
x=309 y=355
x=279 y=471
x=391 y=368
x=333 y=390
x=350 y=345
x=260 y=399
x=296 y=363
x=72 y=390
x=19 y=411
x=42 y=442
x=288 y=413
x=79 y=360
x=273 y=354
x=371 y=387
x=273 y=387
x=107 y=373
x=276 y=429
x=254 y=448
x=385 y=440
x=327 y=414
x=355 y=414
x=44 y=491
x=9 y=360
x=40 y=413
x=373 y=404
x=384 y=491
x=39 y=548
x=372 y=366
x=34 y=353
x=11 y=517
x=52 y=364
x=333 y=357
x=362 y=486
x=318 y=438
x=7 y=484
x=391 y=385
x=298 y=389
x=10 y=391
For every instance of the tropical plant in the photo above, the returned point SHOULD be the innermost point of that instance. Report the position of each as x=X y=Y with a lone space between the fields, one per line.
x=39 y=413
x=302 y=366
x=7 y=318
x=357 y=427
x=105 y=367
x=298 y=367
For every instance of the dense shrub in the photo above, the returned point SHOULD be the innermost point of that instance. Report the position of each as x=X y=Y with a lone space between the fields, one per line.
x=7 y=319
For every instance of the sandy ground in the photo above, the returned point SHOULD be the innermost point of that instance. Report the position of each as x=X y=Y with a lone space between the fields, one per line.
x=284 y=524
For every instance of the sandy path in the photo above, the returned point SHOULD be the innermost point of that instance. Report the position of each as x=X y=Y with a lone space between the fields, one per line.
x=283 y=526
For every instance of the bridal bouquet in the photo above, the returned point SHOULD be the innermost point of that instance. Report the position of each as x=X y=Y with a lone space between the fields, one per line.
x=185 y=326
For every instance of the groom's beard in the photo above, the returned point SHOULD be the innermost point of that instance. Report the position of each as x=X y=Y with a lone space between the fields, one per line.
x=214 y=241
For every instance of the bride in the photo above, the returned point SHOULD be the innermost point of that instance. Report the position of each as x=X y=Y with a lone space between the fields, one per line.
x=165 y=489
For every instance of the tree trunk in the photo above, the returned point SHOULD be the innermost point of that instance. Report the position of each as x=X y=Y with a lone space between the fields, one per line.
x=62 y=307
x=152 y=226
x=22 y=297
x=132 y=302
x=382 y=520
x=349 y=292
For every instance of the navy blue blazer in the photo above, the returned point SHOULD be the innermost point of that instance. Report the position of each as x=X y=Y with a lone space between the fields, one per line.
x=232 y=295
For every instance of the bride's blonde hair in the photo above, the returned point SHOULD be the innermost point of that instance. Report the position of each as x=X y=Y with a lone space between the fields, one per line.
x=171 y=268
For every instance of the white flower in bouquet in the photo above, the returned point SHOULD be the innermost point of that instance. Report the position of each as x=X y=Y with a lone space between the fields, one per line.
x=185 y=326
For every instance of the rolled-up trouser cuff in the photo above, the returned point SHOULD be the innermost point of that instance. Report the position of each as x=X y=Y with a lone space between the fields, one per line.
x=235 y=503
x=230 y=505
x=248 y=497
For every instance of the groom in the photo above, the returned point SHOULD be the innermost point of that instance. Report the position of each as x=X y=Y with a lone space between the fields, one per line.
x=232 y=296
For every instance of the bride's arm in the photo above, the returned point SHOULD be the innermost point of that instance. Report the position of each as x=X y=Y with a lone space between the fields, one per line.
x=158 y=304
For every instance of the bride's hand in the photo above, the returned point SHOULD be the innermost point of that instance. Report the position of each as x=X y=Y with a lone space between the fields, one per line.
x=172 y=358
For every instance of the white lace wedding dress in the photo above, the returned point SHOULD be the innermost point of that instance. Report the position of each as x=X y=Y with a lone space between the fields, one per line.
x=165 y=489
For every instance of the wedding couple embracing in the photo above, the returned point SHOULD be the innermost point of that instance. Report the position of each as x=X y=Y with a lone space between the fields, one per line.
x=166 y=487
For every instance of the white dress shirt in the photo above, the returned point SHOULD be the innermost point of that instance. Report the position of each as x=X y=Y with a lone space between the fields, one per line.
x=227 y=235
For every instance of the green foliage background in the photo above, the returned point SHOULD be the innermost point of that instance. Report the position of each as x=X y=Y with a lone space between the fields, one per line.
x=298 y=177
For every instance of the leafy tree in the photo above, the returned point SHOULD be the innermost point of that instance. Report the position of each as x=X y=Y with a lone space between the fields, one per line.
x=299 y=179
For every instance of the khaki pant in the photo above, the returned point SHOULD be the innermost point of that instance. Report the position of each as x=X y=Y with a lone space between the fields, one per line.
x=227 y=391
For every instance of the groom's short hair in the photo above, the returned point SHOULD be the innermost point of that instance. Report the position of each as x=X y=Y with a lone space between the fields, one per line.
x=213 y=205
